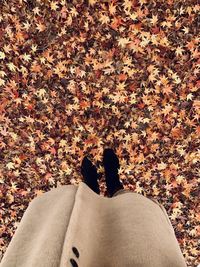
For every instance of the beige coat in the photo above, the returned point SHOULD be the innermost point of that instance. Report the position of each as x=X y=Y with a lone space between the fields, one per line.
x=128 y=230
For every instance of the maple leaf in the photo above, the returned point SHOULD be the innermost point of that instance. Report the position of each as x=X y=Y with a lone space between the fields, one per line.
x=20 y=36
x=34 y=48
x=68 y=170
x=164 y=80
x=123 y=41
x=36 y=68
x=27 y=25
x=180 y=179
x=10 y=198
x=112 y=8
x=155 y=190
x=92 y=2
x=176 y=132
x=127 y=4
x=134 y=16
x=120 y=86
x=26 y=57
x=154 y=136
x=186 y=30
x=40 y=27
x=2 y=55
x=197 y=130
x=13 y=135
x=104 y=19
x=39 y=161
x=194 y=251
x=179 y=51
x=154 y=19
x=167 y=109
x=127 y=138
x=84 y=104
x=10 y=165
x=54 y=6
x=41 y=92
x=4 y=131
x=11 y=66
x=167 y=89
x=62 y=143
x=190 y=96
x=36 y=11
x=162 y=166
x=7 y=48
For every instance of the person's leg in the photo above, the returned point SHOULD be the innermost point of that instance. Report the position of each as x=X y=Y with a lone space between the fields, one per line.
x=113 y=184
x=90 y=175
x=111 y=165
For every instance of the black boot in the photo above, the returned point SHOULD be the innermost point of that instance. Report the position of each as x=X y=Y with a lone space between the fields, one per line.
x=90 y=175
x=111 y=166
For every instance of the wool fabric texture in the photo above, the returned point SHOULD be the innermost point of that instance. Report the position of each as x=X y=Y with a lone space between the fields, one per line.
x=73 y=226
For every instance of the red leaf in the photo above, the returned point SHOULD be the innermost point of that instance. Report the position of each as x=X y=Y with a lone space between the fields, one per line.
x=141 y=105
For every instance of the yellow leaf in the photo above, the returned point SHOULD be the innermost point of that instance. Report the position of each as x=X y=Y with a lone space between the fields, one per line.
x=92 y=2
x=185 y=29
x=54 y=6
x=11 y=66
x=39 y=161
x=179 y=51
x=36 y=11
x=2 y=55
x=190 y=96
x=134 y=16
x=104 y=19
x=154 y=19
x=34 y=48
x=14 y=136
x=162 y=166
x=123 y=41
x=10 y=198
x=7 y=48
x=26 y=57
x=68 y=170
x=27 y=25
x=155 y=190
x=62 y=143
x=10 y=165
x=194 y=251
x=127 y=4
x=180 y=179
x=41 y=92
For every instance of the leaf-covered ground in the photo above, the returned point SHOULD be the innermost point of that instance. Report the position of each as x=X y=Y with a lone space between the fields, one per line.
x=79 y=76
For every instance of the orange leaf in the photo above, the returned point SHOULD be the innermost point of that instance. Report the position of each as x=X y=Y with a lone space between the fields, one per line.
x=141 y=105
x=176 y=133
x=36 y=68
x=122 y=77
x=198 y=130
x=52 y=150
x=22 y=156
x=84 y=104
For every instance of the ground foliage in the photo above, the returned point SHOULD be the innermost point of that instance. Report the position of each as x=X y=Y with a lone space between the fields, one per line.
x=79 y=76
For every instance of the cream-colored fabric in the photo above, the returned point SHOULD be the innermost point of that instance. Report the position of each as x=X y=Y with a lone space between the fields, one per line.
x=127 y=230
x=121 y=191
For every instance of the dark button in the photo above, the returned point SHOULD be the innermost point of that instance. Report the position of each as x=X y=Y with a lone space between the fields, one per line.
x=75 y=250
x=74 y=263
